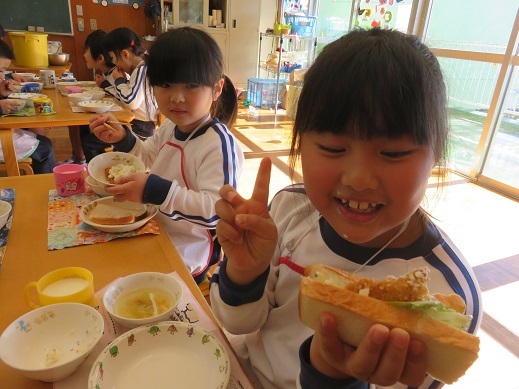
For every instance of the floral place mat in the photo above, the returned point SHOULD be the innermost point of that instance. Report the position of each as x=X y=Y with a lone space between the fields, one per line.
x=65 y=228
x=6 y=195
x=25 y=111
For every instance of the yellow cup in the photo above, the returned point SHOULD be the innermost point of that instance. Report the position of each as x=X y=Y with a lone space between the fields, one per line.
x=66 y=285
x=43 y=105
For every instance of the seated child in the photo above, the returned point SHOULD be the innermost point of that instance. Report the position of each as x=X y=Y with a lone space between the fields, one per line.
x=26 y=143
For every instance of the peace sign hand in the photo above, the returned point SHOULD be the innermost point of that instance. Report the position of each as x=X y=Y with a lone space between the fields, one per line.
x=246 y=232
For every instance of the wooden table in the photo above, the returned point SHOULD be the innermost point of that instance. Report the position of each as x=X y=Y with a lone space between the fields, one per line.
x=58 y=69
x=27 y=259
x=63 y=117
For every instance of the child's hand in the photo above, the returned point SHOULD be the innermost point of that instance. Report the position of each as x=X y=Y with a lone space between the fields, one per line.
x=5 y=88
x=107 y=132
x=383 y=357
x=18 y=78
x=8 y=106
x=118 y=73
x=129 y=188
x=99 y=79
x=246 y=232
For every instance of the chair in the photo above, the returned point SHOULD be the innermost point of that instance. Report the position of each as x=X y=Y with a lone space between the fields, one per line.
x=24 y=166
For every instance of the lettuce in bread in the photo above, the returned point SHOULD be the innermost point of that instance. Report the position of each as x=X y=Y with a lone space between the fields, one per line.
x=404 y=302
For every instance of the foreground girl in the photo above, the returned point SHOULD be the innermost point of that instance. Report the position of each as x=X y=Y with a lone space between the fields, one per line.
x=371 y=125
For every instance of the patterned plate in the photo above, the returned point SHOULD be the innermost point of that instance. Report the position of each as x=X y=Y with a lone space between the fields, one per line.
x=168 y=354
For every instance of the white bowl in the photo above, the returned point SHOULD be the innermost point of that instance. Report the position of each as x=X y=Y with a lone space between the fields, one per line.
x=49 y=343
x=169 y=354
x=96 y=106
x=97 y=93
x=147 y=281
x=84 y=214
x=33 y=82
x=79 y=97
x=87 y=84
x=20 y=104
x=26 y=96
x=97 y=187
x=98 y=164
x=5 y=210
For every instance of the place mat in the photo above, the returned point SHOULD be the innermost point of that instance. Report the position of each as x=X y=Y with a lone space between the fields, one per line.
x=6 y=195
x=25 y=111
x=65 y=228
x=188 y=310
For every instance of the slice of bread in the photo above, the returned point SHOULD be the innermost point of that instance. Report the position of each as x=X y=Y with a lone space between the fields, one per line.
x=114 y=215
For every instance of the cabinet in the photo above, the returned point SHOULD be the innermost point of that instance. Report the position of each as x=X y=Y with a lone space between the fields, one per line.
x=289 y=48
x=234 y=25
x=244 y=21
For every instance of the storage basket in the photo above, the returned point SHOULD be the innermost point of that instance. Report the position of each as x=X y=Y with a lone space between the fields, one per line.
x=261 y=92
x=302 y=25
x=30 y=49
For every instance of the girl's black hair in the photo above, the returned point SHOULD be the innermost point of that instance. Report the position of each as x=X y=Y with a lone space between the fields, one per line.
x=5 y=51
x=374 y=83
x=95 y=43
x=189 y=55
x=123 y=39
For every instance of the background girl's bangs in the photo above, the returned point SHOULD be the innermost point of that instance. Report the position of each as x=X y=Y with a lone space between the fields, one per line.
x=179 y=61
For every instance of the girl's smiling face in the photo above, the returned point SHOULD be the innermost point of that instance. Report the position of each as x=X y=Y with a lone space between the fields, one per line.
x=186 y=105
x=365 y=189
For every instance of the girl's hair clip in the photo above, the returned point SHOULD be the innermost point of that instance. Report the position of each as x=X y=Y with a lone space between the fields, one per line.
x=132 y=43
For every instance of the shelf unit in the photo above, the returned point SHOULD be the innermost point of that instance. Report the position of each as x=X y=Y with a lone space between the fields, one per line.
x=282 y=43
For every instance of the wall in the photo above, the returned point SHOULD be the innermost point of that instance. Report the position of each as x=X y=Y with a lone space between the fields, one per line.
x=107 y=18
x=114 y=16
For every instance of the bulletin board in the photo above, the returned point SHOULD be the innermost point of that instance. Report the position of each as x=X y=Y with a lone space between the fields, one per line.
x=53 y=15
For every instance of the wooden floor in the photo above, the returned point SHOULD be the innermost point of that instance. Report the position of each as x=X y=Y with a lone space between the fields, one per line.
x=484 y=225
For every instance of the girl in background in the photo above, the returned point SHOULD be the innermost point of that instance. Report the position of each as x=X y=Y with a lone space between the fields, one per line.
x=371 y=125
x=193 y=153
x=99 y=59
x=127 y=53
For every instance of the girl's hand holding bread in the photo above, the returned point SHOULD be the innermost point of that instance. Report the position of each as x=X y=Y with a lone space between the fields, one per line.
x=129 y=188
x=384 y=357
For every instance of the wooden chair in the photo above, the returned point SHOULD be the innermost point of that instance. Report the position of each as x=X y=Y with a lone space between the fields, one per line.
x=24 y=166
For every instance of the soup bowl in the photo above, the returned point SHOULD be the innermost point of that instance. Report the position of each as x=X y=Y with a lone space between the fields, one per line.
x=142 y=298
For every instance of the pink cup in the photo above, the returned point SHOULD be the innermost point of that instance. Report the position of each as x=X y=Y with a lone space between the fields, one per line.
x=70 y=179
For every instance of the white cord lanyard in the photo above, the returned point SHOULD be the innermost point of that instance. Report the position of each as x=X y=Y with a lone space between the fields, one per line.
x=400 y=231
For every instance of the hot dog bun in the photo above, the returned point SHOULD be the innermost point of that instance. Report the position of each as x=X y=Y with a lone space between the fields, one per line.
x=450 y=351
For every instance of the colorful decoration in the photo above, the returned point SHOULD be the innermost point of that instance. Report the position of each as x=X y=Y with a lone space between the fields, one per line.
x=371 y=14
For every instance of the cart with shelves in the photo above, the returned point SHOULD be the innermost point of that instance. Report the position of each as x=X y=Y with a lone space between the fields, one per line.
x=300 y=47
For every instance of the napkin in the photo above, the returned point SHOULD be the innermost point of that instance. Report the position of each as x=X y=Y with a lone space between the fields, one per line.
x=6 y=195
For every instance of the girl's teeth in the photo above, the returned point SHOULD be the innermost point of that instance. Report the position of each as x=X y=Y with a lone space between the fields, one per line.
x=362 y=205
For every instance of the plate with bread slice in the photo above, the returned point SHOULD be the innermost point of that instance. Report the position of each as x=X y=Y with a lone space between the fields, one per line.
x=108 y=215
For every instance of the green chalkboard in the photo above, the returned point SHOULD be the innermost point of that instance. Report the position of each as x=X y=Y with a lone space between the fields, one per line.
x=53 y=15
